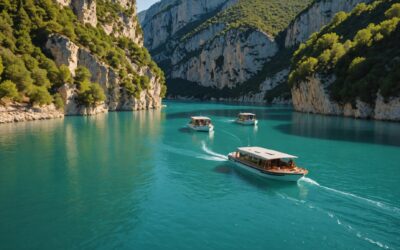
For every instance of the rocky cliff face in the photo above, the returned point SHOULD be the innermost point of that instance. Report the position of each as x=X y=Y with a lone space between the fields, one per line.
x=218 y=59
x=312 y=96
x=315 y=17
x=66 y=52
x=166 y=18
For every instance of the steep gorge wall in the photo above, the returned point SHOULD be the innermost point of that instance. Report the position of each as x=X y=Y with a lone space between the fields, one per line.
x=311 y=96
x=213 y=58
x=64 y=51
x=315 y=17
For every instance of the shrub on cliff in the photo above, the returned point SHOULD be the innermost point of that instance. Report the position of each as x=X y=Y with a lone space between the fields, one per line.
x=89 y=94
x=24 y=28
x=361 y=49
x=8 y=89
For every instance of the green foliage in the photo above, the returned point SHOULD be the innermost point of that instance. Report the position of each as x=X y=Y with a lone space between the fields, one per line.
x=304 y=69
x=90 y=94
x=9 y=90
x=39 y=95
x=1 y=67
x=363 y=58
x=58 y=101
x=24 y=28
x=65 y=75
x=82 y=74
x=394 y=11
x=271 y=16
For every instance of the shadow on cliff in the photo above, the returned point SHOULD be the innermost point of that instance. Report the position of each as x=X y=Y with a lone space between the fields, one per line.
x=342 y=129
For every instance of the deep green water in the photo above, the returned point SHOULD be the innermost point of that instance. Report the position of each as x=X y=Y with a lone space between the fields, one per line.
x=142 y=181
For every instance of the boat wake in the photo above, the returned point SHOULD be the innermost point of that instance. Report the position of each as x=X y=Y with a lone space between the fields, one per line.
x=378 y=204
x=190 y=153
x=214 y=155
x=331 y=215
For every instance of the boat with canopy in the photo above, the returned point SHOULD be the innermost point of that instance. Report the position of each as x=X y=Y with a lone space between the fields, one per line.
x=267 y=163
x=201 y=123
x=246 y=119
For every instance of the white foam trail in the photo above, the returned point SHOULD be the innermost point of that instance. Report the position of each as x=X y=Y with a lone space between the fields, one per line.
x=334 y=217
x=210 y=152
x=376 y=203
x=211 y=158
x=191 y=153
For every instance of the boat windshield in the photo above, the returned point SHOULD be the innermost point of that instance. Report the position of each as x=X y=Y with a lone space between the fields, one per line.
x=246 y=117
x=201 y=122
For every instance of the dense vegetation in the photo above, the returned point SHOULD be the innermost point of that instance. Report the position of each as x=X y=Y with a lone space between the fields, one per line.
x=29 y=75
x=362 y=49
x=270 y=16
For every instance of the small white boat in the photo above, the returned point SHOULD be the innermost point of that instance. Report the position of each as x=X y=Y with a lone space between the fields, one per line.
x=267 y=163
x=246 y=119
x=201 y=123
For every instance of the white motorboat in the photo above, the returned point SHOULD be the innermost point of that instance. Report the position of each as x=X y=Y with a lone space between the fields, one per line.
x=267 y=163
x=201 y=123
x=246 y=119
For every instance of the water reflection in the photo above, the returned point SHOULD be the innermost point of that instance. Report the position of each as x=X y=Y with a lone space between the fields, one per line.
x=280 y=114
x=345 y=129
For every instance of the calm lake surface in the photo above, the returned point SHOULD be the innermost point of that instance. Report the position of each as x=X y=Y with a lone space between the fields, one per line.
x=142 y=181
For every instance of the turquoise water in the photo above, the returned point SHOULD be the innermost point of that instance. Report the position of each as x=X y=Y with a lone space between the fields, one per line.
x=142 y=181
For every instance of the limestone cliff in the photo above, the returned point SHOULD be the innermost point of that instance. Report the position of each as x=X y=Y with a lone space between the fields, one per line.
x=100 y=37
x=229 y=62
x=312 y=96
x=65 y=52
x=360 y=81
x=313 y=18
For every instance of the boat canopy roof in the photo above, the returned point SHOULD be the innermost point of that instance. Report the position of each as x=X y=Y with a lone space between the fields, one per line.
x=200 y=118
x=265 y=154
x=247 y=114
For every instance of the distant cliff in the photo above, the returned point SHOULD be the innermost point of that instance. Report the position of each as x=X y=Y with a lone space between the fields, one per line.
x=78 y=57
x=233 y=50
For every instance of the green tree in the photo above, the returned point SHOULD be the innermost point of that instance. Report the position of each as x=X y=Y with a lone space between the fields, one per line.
x=82 y=74
x=58 y=101
x=363 y=37
x=19 y=75
x=40 y=77
x=394 y=11
x=8 y=89
x=39 y=95
x=65 y=76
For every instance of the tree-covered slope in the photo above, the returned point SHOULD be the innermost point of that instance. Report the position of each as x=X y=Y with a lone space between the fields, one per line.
x=271 y=16
x=28 y=72
x=361 y=50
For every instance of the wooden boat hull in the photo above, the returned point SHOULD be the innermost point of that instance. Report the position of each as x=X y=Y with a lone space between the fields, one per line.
x=291 y=177
x=248 y=122
x=201 y=128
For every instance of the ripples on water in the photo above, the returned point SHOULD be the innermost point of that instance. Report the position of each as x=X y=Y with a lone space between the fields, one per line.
x=143 y=181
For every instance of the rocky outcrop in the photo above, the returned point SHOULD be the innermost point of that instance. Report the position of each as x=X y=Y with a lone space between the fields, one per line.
x=312 y=19
x=85 y=10
x=126 y=24
x=64 y=52
x=224 y=61
x=312 y=96
x=164 y=19
x=21 y=112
